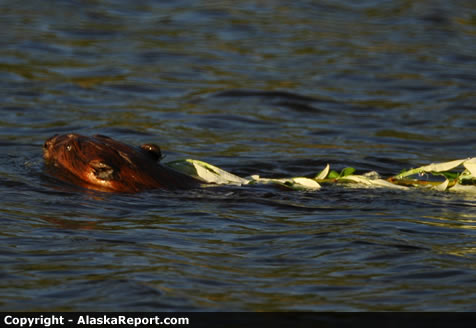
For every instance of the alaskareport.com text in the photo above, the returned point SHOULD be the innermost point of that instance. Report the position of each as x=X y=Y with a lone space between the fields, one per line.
x=58 y=320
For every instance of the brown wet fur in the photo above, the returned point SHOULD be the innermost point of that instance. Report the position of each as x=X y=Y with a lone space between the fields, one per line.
x=104 y=164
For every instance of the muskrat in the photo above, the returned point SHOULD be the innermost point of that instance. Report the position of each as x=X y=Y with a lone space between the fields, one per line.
x=104 y=164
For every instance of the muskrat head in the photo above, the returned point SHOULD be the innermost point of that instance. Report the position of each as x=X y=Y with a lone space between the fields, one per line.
x=103 y=163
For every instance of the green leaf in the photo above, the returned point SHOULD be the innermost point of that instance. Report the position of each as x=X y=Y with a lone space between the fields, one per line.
x=442 y=186
x=366 y=181
x=291 y=183
x=470 y=165
x=323 y=174
x=347 y=171
x=463 y=188
x=434 y=167
x=206 y=172
x=305 y=183
x=333 y=175
x=449 y=175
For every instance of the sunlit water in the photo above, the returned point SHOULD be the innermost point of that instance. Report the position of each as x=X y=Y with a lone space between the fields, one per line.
x=256 y=87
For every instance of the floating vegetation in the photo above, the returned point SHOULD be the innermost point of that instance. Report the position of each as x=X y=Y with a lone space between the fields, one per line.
x=457 y=175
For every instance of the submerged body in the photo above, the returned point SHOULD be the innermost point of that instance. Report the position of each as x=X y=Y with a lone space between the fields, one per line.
x=104 y=164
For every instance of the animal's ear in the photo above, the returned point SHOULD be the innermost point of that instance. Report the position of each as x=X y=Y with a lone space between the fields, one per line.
x=152 y=151
x=102 y=170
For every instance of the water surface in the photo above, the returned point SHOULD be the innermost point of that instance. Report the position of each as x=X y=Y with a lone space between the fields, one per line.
x=254 y=87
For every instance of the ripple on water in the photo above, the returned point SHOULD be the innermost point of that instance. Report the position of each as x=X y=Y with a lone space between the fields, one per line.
x=255 y=88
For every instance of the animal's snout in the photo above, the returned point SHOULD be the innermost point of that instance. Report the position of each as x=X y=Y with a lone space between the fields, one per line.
x=49 y=142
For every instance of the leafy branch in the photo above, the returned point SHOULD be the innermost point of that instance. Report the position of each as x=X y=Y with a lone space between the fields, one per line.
x=457 y=175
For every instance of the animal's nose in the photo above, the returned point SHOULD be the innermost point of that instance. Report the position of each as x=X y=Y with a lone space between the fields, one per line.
x=49 y=142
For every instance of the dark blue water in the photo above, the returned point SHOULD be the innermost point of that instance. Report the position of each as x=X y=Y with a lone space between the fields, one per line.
x=254 y=87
